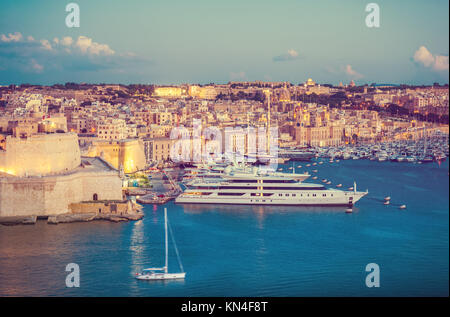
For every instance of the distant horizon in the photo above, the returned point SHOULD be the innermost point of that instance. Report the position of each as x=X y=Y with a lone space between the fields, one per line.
x=373 y=84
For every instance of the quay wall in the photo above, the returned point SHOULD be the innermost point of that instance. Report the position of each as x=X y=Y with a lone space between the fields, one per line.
x=113 y=207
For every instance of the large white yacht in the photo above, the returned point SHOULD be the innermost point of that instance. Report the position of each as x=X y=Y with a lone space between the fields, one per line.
x=265 y=190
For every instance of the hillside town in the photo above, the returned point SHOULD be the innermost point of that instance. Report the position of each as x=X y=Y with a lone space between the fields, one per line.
x=131 y=126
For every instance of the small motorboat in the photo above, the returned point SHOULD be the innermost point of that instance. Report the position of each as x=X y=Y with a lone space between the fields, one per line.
x=387 y=198
x=350 y=188
x=339 y=185
x=348 y=210
x=314 y=177
x=314 y=171
x=386 y=202
x=402 y=207
x=329 y=183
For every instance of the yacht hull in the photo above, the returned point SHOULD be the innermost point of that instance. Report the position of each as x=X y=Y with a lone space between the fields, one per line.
x=161 y=276
x=342 y=199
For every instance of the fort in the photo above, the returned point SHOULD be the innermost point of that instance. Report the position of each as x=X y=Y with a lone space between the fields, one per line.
x=44 y=175
x=40 y=154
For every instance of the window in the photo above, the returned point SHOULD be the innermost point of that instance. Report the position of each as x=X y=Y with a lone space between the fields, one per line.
x=238 y=187
x=244 y=181
x=277 y=181
x=294 y=188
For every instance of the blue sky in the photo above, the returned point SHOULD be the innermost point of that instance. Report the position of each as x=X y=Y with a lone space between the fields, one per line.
x=203 y=41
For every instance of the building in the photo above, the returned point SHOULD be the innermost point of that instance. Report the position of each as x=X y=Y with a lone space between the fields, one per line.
x=157 y=149
x=127 y=154
x=112 y=129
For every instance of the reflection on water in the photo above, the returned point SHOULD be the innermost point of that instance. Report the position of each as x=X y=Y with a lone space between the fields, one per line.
x=138 y=247
x=258 y=210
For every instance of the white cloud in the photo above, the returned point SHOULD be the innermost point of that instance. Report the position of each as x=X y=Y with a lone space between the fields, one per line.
x=427 y=59
x=16 y=37
x=66 y=41
x=27 y=55
x=441 y=63
x=87 y=46
x=36 y=66
x=46 y=45
x=237 y=76
x=291 y=55
x=423 y=55
x=352 y=73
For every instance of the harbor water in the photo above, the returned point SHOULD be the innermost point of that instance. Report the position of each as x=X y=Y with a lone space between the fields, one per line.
x=254 y=250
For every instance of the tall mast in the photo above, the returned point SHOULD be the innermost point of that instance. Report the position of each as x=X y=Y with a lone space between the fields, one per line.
x=167 y=249
x=268 y=92
x=425 y=140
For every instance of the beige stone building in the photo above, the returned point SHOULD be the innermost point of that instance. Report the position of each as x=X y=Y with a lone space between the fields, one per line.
x=157 y=149
x=128 y=154
x=112 y=129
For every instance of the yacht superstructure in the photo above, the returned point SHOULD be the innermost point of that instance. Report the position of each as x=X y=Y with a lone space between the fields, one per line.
x=265 y=190
x=217 y=173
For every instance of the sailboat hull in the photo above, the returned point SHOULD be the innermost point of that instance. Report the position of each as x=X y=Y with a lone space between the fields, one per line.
x=161 y=276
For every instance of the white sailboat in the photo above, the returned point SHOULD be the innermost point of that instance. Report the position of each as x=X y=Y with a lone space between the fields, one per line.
x=162 y=273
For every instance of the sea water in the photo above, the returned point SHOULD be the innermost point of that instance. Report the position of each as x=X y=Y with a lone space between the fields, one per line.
x=254 y=250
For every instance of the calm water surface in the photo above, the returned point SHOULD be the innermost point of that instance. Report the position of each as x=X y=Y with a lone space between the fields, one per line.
x=254 y=251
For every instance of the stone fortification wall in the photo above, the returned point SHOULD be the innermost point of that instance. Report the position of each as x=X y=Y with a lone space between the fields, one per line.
x=40 y=154
x=52 y=195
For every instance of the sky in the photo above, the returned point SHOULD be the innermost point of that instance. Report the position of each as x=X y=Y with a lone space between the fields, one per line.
x=210 y=41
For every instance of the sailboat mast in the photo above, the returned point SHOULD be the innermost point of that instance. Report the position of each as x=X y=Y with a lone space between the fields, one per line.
x=425 y=140
x=167 y=249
